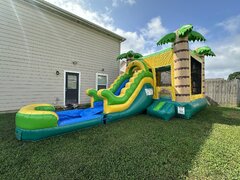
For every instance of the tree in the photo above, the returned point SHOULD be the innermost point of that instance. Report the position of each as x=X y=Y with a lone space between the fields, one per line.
x=130 y=55
x=235 y=75
x=180 y=39
x=186 y=30
x=204 y=51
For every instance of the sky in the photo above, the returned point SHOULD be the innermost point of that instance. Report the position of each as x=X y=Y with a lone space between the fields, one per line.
x=143 y=23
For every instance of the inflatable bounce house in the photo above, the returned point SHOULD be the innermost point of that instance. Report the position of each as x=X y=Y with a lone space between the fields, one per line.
x=166 y=84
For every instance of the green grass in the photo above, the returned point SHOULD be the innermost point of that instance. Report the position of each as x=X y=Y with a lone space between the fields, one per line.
x=205 y=147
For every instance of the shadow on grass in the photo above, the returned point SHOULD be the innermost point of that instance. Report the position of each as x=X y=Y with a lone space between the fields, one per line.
x=138 y=147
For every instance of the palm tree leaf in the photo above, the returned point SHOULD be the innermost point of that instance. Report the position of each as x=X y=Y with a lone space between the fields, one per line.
x=195 y=36
x=167 y=39
x=119 y=57
x=130 y=54
x=205 y=50
x=137 y=55
x=184 y=30
x=122 y=56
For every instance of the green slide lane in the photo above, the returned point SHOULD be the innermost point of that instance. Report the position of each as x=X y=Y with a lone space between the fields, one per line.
x=133 y=84
x=118 y=82
x=142 y=101
x=113 y=88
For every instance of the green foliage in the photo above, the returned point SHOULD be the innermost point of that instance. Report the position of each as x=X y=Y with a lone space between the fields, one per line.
x=205 y=50
x=184 y=30
x=130 y=55
x=122 y=56
x=140 y=147
x=83 y=106
x=235 y=75
x=167 y=39
x=195 y=36
x=137 y=56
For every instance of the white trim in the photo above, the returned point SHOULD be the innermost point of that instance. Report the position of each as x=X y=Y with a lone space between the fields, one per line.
x=79 y=84
x=101 y=74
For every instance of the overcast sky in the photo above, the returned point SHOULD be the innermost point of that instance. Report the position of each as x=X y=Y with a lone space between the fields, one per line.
x=143 y=23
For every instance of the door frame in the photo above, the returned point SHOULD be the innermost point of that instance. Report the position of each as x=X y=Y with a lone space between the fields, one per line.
x=64 y=85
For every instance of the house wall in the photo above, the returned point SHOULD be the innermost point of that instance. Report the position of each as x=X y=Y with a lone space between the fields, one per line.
x=35 y=43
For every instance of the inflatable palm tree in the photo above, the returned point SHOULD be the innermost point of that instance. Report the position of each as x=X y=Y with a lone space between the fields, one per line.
x=202 y=52
x=182 y=32
x=180 y=39
x=129 y=56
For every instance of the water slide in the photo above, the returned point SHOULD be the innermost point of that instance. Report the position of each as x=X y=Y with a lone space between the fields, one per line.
x=130 y=94
x=115 y=88
x=122 y=88
x=134 y=98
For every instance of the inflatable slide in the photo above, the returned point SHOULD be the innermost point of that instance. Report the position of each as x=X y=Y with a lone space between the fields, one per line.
x=131 y=93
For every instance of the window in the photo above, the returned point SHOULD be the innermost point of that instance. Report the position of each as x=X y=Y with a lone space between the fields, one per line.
x=72 y=81
x=196 y=76
x=163 y=76
x=101 y=81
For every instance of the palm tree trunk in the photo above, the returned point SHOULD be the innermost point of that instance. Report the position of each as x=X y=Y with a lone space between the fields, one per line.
x=181 y=69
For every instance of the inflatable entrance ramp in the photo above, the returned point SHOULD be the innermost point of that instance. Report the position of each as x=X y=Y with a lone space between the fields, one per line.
x=162 y=109
x=167 y=109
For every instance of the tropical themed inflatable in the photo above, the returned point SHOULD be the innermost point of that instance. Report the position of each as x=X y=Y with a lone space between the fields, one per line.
x=165 y=84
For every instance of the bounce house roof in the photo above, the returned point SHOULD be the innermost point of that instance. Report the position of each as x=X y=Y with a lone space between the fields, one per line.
x=157 y=53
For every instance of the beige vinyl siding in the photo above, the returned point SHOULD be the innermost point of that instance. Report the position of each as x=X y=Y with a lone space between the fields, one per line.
x=35 y=43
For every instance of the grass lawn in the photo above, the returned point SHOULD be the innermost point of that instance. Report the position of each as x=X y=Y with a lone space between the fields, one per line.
x=205 y=147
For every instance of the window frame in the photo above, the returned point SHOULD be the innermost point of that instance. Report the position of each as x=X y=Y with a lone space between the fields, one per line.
x=194 y=73
x=101 y=74
x=161 y=70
